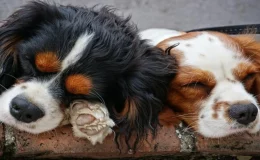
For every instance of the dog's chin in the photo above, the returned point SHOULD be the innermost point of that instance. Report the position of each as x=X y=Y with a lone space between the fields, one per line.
x=48 y=122
x=53 y=115
x=40 y=126
x=220 y=130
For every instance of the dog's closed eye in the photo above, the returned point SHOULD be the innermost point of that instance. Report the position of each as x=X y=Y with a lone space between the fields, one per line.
x=248 y=81
x=249 y=77
x=197 y=85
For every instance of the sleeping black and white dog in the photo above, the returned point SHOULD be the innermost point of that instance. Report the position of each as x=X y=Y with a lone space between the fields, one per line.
x=53 y=57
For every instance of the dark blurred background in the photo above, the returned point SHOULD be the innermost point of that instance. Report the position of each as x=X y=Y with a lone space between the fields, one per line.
x=174 y=14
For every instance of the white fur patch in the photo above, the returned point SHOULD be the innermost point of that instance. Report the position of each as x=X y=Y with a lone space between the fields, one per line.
x=156 y=35
x=77 y=51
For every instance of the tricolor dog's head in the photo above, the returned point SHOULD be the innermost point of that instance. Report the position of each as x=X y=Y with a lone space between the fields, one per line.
x=216 y=89
x=54 y=55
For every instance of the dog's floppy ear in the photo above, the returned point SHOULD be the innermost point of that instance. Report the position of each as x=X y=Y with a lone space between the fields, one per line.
x=145 y=92
x=19 y=27
x=7 y=71
x=251 y=49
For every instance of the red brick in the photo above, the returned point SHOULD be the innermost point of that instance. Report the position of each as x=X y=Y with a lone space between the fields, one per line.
x=61 y=143
x=242 y=144
x=2 y=139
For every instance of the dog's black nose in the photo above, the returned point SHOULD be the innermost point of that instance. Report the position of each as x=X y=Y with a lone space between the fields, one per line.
x=24 y=111
x=243 y=113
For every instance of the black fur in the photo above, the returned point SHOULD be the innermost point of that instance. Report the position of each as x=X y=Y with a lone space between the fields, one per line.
x=124 y=69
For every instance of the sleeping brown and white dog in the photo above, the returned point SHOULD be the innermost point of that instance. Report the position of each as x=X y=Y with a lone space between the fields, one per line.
x=216 y=89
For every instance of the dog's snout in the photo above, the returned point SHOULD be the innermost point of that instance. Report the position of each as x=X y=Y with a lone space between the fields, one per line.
x=24 y=111
x=243 y=113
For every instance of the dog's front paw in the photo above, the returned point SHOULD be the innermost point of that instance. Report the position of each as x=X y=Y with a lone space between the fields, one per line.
x=90 y=120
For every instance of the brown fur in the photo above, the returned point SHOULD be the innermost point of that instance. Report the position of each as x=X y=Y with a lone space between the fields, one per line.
x=185 y=100
x=47 y=62
x=243 y=70
x=129 y=110
x=251 y=49
x=167 y=117
x=218 y=106
x=9 y=46
x=78 y=84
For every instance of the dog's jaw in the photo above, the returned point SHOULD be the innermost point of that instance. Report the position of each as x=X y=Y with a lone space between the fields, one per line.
x=37 y=92
x=220 y=128
x=214 y=122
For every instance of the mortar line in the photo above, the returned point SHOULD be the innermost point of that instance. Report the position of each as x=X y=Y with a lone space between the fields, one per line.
x=187 y=139
x=9 y=142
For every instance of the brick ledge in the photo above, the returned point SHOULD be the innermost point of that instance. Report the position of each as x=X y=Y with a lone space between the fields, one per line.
x=169 y=141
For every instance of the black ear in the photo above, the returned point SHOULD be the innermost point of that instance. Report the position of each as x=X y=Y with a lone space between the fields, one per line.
x=145 y=92
x=7 y=73
x=19 y=27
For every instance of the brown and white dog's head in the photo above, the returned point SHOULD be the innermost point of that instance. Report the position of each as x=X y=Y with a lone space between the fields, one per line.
x=216 y=90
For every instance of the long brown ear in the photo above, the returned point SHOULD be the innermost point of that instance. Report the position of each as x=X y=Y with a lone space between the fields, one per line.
x=251 y=49
x=256 y=88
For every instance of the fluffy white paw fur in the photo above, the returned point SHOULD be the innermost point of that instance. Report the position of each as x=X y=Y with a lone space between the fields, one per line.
x=89 y=120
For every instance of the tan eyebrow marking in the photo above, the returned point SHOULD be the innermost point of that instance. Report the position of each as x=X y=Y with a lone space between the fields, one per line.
x=78 y=84
x=47 y=62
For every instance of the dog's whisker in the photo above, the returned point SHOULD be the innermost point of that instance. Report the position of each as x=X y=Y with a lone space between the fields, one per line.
x=188 y=117
x=99 y=97
x=11 y=76
x=189 y=114
x=3 y=86
x=192 y=123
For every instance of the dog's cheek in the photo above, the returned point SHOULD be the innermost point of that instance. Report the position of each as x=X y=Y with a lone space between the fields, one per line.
x=167 y=117
x=254 y=87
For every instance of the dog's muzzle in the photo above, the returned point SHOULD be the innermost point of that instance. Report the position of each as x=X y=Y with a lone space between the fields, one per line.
x=243 y=113
x=23 y=110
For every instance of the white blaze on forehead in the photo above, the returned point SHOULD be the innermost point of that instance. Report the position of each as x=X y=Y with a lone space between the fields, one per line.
x=77 y=50
x=75 y=54
x=207 y=52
